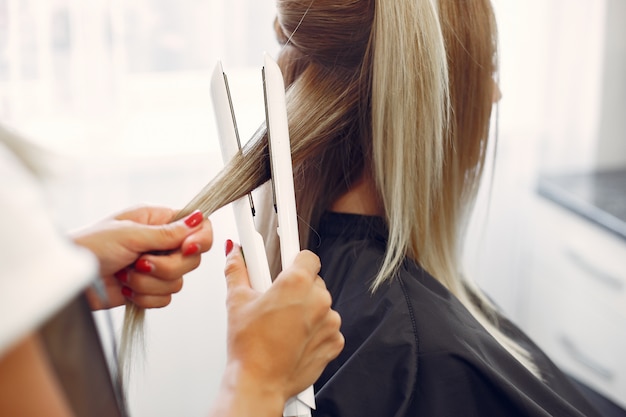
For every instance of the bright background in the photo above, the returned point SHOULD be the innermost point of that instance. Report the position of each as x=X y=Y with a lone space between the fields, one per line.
x=121 y=88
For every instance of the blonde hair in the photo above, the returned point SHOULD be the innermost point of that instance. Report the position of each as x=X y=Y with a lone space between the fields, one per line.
x=401 y=91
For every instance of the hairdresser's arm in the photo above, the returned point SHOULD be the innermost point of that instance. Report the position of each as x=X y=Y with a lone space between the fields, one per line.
x=122 y=243
x=28 y=383
x=278 y=342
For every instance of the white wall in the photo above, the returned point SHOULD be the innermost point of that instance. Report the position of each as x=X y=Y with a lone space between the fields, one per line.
x=551 y=66
x=80 y=76
x=611 y=150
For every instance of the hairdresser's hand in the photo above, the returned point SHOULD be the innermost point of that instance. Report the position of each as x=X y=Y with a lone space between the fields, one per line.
x=121 y=244
x=279 y=342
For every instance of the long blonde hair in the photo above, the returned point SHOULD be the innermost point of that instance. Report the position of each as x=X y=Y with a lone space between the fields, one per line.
x=400 y=90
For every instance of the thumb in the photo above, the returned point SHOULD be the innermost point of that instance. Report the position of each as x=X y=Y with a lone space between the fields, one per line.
x=151 y=238
x=235 y=268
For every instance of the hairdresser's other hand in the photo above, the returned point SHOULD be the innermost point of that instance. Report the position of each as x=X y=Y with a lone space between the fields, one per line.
x=122 y=243
x=279 y=342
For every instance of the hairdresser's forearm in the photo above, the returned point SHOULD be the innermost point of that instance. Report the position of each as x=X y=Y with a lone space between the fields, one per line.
x=242 y=395
x=28 y=383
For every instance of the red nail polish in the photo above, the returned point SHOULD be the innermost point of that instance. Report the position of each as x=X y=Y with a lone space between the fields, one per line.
x=122 y=275
x=191 y=249
x=195 y=219
x=228 y=246
x=127 y=292
x=143 y=265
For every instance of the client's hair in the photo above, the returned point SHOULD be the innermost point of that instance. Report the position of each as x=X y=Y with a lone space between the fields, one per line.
x=400 y=91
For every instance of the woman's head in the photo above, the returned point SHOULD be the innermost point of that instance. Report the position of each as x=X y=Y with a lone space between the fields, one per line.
x=398 y=90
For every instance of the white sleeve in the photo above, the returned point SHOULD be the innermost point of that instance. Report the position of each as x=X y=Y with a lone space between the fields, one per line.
x=40 y=269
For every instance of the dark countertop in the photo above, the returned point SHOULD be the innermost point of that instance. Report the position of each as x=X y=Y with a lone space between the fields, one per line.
x=597 y=196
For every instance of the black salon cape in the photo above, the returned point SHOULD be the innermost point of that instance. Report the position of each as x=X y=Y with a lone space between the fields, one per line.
x=412 y=349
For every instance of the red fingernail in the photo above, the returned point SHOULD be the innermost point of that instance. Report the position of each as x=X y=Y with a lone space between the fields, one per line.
x=229 y=246
x=143 y=265
x=122 y=275
x=195 y=219
x=191 y=249
x=127 y=292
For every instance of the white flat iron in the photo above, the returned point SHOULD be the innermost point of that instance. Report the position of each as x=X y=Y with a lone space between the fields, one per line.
x=283 y=188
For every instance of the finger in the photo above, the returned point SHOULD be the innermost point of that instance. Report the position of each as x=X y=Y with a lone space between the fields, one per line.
x=320 y=302
x=328 y=337
x=305 y=265
x=147 y=301
x=167 y=267
x=330 y=347
x=309 y=261
x=198 y=241
x=333 y=345
x=320 y=282
x=194 y=248
x=235 y=268
x=150 y=285
x=172 y=235
x=166 y=236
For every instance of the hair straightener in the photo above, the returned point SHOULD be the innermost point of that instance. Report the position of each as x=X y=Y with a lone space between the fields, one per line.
x=282 y=186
